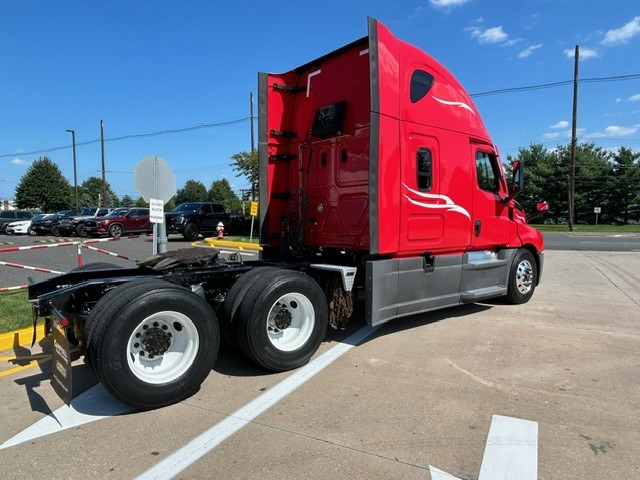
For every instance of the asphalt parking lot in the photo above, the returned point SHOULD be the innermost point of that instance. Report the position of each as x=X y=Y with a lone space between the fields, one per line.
x=412 y=399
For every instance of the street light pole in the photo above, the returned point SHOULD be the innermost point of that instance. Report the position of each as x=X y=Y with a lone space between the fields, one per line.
x=75 y=174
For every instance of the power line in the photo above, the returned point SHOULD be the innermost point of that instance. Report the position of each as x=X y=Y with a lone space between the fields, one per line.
x=616 y=78
x=131 y=136
x=541 y=86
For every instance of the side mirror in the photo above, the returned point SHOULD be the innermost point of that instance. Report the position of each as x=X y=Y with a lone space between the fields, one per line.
x=542 y=207
x=517 y=182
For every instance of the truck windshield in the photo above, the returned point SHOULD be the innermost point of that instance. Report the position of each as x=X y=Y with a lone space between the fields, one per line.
x=118 y=212
x=186 y=207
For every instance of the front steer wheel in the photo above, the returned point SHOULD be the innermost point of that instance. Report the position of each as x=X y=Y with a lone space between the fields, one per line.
x=523 y=277
x=154 y=344
x=191 y=232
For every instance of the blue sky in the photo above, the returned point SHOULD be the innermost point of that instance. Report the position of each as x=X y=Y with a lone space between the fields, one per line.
x=186 y=68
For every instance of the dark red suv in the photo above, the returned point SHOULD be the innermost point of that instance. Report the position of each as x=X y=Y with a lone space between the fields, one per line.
x=119 y=222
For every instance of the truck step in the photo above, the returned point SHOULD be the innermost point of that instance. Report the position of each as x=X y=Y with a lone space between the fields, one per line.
x=482 y=293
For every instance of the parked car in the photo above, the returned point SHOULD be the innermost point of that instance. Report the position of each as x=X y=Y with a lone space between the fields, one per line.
x=8 y=216
x=48 y=225
x=194 y=218
x=120 y=221
x=23 y=227
x=75 y=223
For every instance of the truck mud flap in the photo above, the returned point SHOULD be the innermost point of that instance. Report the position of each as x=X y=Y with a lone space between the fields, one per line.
x=61 y=370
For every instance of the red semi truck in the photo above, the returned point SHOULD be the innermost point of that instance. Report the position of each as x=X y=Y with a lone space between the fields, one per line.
x=377 y=178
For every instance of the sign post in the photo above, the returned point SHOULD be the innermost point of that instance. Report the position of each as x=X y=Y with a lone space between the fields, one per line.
x=253 y=212
x=597 y=210
x=156 y=182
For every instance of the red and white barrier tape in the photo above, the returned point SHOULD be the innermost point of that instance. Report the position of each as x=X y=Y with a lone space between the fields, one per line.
x=79 y=244
x=36 y=247
x=27 y=267
x=108 y=252
x=8 y=289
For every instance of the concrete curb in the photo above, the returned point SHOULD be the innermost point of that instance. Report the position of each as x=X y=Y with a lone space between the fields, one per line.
x=20 y=337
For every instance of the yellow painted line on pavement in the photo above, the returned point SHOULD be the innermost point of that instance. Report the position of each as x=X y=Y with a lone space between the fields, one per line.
x=21 y=367
x=20 y=337
x=37 y=356
x=16 y=339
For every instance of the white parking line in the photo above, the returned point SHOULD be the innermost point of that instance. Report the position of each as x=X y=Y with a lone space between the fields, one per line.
x=94 y=404
x=511 y=451
x=201 y=445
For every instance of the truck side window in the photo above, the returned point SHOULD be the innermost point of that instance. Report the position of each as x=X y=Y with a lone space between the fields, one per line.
x=486 y=172
x=424 y=169
x=421 y=83
x=206 y=209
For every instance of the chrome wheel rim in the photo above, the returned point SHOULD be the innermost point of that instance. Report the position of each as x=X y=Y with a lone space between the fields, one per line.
x=524 y=277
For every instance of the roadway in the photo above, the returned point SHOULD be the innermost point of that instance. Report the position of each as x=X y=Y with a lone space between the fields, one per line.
x=411 y=399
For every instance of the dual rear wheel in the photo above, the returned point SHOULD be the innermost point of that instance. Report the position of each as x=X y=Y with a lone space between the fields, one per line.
x=152 y=343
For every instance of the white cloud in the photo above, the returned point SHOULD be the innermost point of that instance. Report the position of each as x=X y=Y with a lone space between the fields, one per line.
x=635 y=98
x=529 y=50
x=585 y=53
x=620 y=35
x=489 y=35
x=560 y=124
x=18 y=162
x=614 y=131
x=551 y=136
x=416 y=13
x=447 y=3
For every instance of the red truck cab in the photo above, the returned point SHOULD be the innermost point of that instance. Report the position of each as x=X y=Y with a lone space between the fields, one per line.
x=375 y=152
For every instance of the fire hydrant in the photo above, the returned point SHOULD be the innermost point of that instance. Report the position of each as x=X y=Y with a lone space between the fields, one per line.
x=220 y=230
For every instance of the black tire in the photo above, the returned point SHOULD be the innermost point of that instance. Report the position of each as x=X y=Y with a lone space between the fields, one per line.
x=55 y=230
x=143 y=375
x=238 y=290
x=523 y=277
x=80 y=230
x=95 y=266
x=31 y=232
x=116 y=230
x=191 y=232
x=282 y=320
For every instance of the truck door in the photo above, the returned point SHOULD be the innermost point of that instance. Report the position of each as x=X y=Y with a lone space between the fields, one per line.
x=435 y=203
x=208 y=220
x=491 y=226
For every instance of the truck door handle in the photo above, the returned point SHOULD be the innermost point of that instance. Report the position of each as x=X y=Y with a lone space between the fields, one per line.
x=477 y=226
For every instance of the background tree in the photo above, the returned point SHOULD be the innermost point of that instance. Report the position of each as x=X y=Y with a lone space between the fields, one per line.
x=221 y=192
x=246 y=164
x=625 y=191
x=43 y=187
x=90 y=192
x=126 y=201
x=193 y=191
x=140 y=202
x=593 y=180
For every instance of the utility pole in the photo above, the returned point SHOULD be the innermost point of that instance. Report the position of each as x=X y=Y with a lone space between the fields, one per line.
x=574 y=140
x=253 y=185
x=251 y=115
x=75 y=174
x=104 y=181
